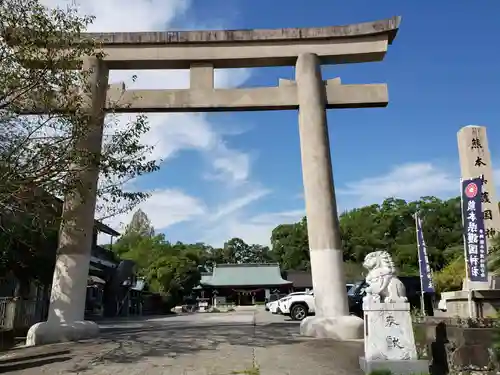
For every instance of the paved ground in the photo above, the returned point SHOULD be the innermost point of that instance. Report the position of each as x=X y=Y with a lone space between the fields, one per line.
x=248 y=342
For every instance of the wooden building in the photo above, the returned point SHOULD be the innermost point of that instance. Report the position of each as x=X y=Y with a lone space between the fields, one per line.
x=301 y=280
x=242 y=284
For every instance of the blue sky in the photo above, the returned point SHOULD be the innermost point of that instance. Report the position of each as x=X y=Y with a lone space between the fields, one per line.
x=238 y=174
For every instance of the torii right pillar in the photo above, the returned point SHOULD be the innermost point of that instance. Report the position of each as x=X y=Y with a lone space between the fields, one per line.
x=475 y=161
x=332 y=319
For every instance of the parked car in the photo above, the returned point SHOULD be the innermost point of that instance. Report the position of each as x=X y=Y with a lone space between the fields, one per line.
x=413 y=293
x=298 y=306
x=273 y=306
x=273 y=300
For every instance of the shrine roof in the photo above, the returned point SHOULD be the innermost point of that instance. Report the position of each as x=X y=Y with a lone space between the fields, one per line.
x=245 y=275
x=300 y=279
x=205 y=276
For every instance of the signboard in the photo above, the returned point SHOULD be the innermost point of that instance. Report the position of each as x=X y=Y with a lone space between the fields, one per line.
x=423 y=260
x=476 y=251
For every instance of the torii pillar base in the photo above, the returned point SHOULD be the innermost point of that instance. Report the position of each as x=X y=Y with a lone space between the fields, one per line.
x=342 y=328
x=54 y=332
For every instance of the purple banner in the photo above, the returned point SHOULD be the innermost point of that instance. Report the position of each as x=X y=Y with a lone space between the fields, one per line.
x=423 y=260
x=476 y=251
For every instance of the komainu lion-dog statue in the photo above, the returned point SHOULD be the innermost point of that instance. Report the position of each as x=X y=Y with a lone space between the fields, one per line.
x=383 y=284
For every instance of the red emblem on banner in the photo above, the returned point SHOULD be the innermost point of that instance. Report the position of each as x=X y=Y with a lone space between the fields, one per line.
x=471 y=190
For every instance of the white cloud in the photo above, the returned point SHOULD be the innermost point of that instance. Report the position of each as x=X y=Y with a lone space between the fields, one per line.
x=127 y=15
x=255 y=229
x=407 y=181
x=169 y=133
x=173 y=133
x=165 y=208
x=211 y=225
x=235 y=205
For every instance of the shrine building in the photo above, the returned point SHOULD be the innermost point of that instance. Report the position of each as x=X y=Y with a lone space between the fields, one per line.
x=243 y=284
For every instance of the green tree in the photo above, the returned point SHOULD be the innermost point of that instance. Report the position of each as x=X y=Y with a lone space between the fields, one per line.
x=172 y=269
x=387 y=226
x=174 y=277
x=140 y=225
x=38 y=157
x=494 y=256
x=238 y=251
x=451 y=276
x=290 y=246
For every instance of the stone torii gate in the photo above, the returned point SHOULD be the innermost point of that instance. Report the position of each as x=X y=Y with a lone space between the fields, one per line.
x=201 y=52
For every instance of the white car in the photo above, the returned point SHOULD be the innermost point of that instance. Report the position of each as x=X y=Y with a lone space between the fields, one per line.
x=273 y=306
x=299 y=306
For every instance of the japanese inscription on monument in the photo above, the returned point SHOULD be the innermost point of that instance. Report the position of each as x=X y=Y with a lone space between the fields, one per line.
x=475 y=161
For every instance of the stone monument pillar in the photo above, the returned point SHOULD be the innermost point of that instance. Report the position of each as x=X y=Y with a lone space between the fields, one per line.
x=67 y=301
x=475 y=161
x=332 y=317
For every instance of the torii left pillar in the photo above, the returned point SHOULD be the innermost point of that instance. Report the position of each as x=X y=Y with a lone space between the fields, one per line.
x=69 y=286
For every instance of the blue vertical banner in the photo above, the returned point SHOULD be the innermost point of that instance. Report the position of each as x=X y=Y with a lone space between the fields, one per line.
x=423 y=260
x=476 y=251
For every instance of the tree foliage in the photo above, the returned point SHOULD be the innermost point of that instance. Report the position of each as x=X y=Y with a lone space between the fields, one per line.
x=451 y=276
x=237 y=251
x=388 y=226
x=174 y=269
x=39 y=159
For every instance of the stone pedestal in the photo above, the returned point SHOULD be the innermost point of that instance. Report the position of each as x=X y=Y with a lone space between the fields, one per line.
x=389 y=339
x=465 y=304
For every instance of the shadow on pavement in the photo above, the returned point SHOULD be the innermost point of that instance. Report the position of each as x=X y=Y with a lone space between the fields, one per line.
x=276 y=346
x=132 y=344
x=23 y=363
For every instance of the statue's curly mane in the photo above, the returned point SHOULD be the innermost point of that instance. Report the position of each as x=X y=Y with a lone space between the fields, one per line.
x=384 y=260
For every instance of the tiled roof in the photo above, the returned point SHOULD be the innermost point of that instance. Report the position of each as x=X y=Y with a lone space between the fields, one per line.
x=245 y=275
x=205 y=277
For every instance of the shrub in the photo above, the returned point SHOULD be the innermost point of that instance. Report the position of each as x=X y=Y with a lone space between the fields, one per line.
x=451 y=276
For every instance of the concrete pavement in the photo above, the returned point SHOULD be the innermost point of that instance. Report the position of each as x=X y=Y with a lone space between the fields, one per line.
x=249 y=342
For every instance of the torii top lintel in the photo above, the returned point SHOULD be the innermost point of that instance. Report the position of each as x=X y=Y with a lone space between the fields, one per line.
x=247 y=48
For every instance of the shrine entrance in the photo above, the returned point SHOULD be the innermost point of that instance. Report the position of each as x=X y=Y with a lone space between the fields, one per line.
x=245 y=298
x=201 y=52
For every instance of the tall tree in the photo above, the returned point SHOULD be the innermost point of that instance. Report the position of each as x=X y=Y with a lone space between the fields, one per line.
x=238 y=251
x=290 y=246
x=140 y=225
